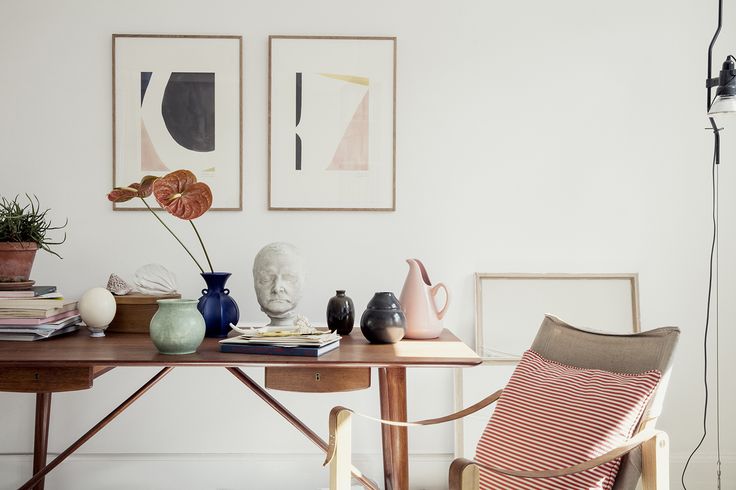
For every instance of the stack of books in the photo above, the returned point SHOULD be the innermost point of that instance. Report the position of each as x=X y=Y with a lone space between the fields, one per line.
x=282 y=343
x=37 y=313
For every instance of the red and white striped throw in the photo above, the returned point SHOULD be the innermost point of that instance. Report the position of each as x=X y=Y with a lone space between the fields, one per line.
x=552 y=416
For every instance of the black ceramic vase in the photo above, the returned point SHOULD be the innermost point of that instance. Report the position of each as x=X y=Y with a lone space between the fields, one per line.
x=340 y=313
x=383 y=321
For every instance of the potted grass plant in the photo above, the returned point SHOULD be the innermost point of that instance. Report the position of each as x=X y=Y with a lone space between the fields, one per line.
x=24 y=228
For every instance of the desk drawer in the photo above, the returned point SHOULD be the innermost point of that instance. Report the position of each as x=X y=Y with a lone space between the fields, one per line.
x=43 y=379
x=318 y=380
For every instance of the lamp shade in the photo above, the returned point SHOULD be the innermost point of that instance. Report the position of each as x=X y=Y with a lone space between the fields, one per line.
x=724 y=104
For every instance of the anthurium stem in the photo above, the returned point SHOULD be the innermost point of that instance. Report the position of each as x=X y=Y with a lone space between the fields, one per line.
x=172 y=234
x=203 y=248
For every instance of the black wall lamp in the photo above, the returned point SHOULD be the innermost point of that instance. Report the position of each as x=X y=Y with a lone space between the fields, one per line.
x=725 y=100
x=723 y=103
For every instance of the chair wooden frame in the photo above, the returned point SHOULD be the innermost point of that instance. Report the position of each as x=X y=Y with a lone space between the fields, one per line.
x=568 y=345
x=464 y=474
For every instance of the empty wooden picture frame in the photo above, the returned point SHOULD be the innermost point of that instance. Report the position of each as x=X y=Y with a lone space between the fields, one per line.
x=177 y=105
x=510 y=307
x=332 y=123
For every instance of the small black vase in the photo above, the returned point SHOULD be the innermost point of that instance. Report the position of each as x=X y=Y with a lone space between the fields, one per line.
x=383 y=321
x=340 y=313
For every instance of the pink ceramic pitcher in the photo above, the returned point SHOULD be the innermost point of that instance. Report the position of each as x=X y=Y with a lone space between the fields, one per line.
x=418 y=299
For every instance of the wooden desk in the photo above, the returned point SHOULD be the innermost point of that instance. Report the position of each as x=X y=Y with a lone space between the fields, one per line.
x=73 y=362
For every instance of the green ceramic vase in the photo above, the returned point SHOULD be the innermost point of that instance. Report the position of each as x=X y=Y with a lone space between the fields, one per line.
x=177 y=327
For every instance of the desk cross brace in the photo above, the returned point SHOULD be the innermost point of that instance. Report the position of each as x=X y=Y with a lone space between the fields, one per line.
x=40 y=471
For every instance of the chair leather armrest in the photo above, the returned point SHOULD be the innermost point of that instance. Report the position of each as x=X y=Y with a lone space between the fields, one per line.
x=635 y=441
x=332 y=424
x=464 y=475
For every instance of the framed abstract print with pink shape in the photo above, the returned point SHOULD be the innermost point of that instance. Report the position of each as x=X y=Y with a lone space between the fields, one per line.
x=177 y=105
x=332 y=120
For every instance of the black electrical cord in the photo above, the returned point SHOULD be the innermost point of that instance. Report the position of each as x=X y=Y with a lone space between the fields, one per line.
x=716 y=151
x=713 y=255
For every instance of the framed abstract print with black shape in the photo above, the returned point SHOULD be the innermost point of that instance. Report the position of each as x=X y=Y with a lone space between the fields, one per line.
x=332 y=123
x=177 y=105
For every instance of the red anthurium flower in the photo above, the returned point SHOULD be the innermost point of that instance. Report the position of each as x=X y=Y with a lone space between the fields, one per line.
x=180 y=194
x=122 y=194
x=146 y=186
x=137 y=189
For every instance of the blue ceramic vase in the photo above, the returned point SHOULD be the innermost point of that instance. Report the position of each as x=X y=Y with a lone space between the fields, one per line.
x=177 y=327
x=218 y=308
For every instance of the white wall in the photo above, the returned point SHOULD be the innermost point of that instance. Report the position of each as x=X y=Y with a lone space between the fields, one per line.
x=532 y=137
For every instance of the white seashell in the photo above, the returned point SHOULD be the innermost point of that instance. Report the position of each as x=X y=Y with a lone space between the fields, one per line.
x=154 y=279
x=243 y=331
x=117 y=285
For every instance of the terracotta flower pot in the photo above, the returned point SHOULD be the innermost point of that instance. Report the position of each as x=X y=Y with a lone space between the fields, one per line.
x=16 y=260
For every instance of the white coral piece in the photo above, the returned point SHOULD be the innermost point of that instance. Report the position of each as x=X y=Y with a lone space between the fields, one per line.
x=155 y=279
x=303 y=326
x=117 y=285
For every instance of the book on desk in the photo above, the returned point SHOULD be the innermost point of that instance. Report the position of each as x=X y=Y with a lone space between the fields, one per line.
x=282 y=343
x=35 y=307
x=33 y=292
x=46 y=330
x=36 y=313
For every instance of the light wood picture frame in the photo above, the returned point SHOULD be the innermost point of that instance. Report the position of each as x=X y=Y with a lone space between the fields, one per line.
x=177 y=104
x=510 y=307
x=332 y=123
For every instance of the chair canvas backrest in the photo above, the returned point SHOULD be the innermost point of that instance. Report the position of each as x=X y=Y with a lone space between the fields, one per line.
x=620 y=353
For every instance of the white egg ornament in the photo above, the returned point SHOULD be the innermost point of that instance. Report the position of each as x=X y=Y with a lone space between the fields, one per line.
x=97 y=308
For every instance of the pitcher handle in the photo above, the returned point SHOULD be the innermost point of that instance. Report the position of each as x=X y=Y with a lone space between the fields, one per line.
x=435 y=289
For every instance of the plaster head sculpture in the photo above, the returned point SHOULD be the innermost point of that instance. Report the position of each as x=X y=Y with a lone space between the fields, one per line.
x=278 y=277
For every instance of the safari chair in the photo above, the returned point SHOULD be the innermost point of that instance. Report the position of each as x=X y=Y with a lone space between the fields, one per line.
x=644 y=454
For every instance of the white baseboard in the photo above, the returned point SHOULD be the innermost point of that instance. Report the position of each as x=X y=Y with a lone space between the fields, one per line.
x=245 y=471
x=209 y=471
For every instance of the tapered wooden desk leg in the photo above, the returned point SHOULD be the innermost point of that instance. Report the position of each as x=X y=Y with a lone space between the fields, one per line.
x=392 y=387
x=39 y=475
x=41 y=437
